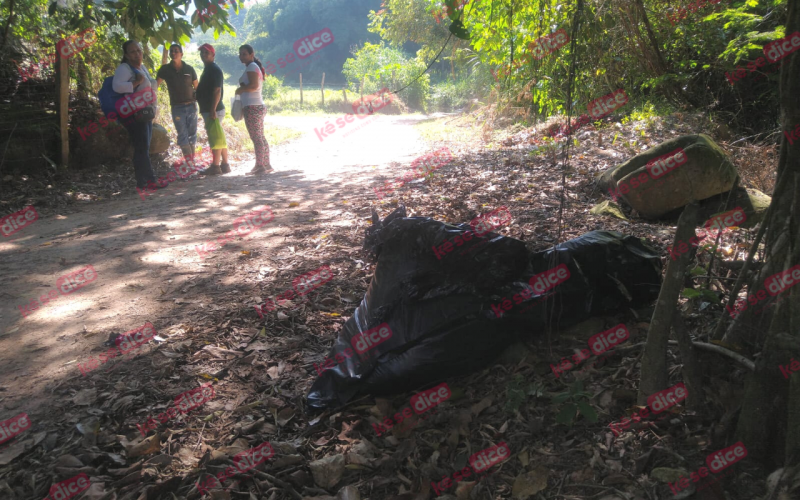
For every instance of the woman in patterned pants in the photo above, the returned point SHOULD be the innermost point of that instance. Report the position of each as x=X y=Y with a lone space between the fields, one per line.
x=253 y=107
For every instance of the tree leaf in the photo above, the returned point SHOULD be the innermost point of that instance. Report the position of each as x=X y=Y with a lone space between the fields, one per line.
x=588 y=411
x=567 y=414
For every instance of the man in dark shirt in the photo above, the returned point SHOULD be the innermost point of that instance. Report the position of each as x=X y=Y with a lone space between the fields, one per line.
x=209 y=97
x=181 y=81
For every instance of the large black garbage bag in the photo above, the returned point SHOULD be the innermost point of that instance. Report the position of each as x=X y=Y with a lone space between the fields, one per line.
x=430 y=314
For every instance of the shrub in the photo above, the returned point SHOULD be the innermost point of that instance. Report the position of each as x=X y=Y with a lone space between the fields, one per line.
x=271 y=87
x=374 y=63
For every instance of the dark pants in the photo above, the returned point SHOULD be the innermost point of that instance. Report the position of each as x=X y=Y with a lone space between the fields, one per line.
x=139 y=133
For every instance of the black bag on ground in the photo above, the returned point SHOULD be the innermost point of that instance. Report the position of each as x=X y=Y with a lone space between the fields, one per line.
x=429 y=315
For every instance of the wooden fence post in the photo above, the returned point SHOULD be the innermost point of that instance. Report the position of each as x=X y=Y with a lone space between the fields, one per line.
x=322 y=88
x=344 y=95
x=62 y=99
x=301 y=89
x=362 y=88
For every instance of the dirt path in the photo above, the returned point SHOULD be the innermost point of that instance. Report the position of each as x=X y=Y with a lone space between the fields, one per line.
x=144 y=253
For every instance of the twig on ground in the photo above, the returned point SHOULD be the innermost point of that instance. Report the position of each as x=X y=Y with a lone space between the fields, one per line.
x=282 y=484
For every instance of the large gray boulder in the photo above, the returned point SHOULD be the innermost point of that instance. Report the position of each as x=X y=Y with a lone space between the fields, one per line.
x=105 y=141
x=671 y=175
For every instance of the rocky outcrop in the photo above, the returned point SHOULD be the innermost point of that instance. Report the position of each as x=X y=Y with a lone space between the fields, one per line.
x=671 y=175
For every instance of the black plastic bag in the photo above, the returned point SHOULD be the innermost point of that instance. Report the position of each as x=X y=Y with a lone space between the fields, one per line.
x=429 y=315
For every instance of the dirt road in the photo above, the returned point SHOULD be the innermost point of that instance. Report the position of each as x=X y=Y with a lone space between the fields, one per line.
x=143 y=251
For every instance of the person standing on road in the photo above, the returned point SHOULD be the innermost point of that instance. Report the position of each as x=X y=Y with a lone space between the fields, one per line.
x=209 y=98
x=131 y=76
x=181 y=83
x=253 y=107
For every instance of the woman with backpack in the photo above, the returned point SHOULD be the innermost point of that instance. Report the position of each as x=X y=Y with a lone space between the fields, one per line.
x=137 y=110
x=253 y=108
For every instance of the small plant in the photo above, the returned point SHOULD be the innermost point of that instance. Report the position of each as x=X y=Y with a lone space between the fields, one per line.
x=517 y=392
x=574 y=405
x=548 y=147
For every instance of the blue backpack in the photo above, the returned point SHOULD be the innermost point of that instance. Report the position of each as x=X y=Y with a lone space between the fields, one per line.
x=108 y=98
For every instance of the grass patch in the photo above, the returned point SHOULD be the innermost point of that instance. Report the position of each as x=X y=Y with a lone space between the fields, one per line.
x=287 y=102
x=235 y=132
x=449 y=129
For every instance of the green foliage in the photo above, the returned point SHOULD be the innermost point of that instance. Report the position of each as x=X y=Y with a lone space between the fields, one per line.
x=270 y=87
x=702 y=292
x=449 y=95
x=374 y=63
x=517 y=392
x=573 y=404
x=402 y=21
x=273 y=27
x=685 y=62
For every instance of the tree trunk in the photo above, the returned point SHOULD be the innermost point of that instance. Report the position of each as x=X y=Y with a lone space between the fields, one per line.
x=771 y=404
x=654 y=361
x=83 y=79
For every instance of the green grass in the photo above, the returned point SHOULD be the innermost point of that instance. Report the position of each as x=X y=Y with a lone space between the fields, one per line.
x=449 y=129
x=235 y=132
x=287 y=102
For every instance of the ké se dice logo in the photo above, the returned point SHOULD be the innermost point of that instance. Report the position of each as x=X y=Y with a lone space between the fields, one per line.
x=74 y=281
x=309 y=281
